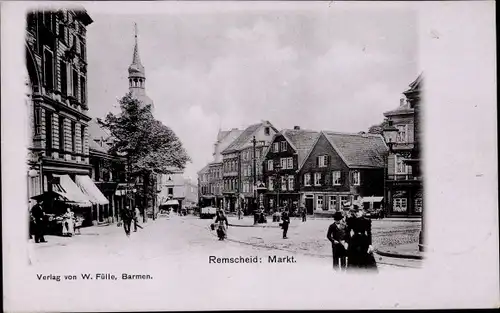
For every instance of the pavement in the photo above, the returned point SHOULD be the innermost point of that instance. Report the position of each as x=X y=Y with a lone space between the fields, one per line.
x=396 y=238
x=184 y=235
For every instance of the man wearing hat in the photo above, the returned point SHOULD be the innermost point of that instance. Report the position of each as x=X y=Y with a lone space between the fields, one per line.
x=337 y=236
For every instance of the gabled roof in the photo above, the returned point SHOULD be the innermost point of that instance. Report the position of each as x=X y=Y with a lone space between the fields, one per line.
x=301 y=140
x=222 y=134
x=358 y=150
x=245 y=136
x=204 y=169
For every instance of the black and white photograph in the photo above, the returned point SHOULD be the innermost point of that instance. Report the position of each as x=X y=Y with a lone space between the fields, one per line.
x=247 y=155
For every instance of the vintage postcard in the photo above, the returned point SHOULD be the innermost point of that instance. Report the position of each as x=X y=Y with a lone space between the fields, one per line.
x=248 y=155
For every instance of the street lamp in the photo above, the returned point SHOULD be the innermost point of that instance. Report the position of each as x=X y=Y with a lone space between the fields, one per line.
x=277 y=170
x=254 y=142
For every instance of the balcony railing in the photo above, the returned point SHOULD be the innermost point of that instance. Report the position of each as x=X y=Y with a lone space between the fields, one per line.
x=403 y=177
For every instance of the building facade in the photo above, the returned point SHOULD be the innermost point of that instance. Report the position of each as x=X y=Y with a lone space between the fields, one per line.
x=171 y=187
x=56 y=61
x=251 y=159
x=109 y=174
x=282 y=159
x=234 y=198
x=339 y=169
x=403 y=179
x=215 y=183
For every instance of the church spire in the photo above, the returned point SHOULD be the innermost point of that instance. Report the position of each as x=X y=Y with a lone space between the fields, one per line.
x=137 y=74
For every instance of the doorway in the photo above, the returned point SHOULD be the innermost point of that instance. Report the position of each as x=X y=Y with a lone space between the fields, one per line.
x=309 y=205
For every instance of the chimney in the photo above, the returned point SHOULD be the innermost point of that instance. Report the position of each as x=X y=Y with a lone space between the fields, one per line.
x=296 y=127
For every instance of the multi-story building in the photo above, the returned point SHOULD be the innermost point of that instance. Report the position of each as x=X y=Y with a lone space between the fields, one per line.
x=56 y=61
x=251 y=158
x=203 y=184
x=403 y=181
x=215 y=182
x=262 y=133
x=286 y=153
x=171 y=187
x=190 y=194
x=340 y=168
x=109 y=173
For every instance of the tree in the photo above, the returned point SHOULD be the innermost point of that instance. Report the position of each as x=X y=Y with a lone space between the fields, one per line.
x=379 y=128
x=151 y=147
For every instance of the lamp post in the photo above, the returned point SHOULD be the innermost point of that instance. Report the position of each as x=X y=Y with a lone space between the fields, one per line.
x=390 y=133
x=254 y=142
x=277 y=169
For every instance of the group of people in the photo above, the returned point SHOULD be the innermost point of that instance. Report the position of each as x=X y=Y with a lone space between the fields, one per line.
x=39 y=221
x=351 y=239
x=130 y=215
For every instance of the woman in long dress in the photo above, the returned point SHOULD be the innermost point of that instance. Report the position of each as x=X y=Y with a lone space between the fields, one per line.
x=68 y=223
x=360 y=249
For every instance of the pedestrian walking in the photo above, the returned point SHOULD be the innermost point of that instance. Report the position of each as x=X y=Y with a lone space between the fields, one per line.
x=359 y=240
x=137 y=213
x=284 y=224
x=303 y=212
x=337 y=235
x=239 y=214
x=39 y=220
x=127 y=216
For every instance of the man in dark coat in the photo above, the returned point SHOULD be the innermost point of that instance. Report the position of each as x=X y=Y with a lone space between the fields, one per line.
x=127 y=217
x=38 y=216
x=337 y=236
x=285 y=222
x=303 y=212
x=359 y=239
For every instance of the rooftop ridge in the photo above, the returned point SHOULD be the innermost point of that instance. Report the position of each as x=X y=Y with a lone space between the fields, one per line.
x=329 y=132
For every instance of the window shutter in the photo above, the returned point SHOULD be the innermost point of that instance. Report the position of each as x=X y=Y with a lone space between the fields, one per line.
x=328 y=160
x=325 y=178
x=317 y=161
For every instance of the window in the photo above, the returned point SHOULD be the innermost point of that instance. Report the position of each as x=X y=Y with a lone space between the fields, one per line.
x=289 y=162
x=73 y=136
x=250 y=170
x=399 y=205
x=402 y=135
x=283 y=163
x=276 y=147
x=332 y=204
x=356 y=178
x=319 y=203
x=269 y=165
x=48 y=69
x=64 y=78
x=283 y=183
x=336 y=178
x=170 y=191
x=270 y=183
x=401 y=167
x=322 y=161
x=307 y=179
x=257 y=153
x=317 y=179
x=82 y=50
x=83 y=96
x=267 y=131
x=62 y=33
x=75 y=84
x=61 y=134
x=344 y=199
x=283 y=146
x=48 y=130
x=291 y=182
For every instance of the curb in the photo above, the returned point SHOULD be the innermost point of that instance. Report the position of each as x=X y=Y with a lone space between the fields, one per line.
x=262 y=226
x=399 y=255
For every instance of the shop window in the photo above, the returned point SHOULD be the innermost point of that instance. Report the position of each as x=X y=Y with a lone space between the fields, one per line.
x=332 y=204
x=319 y=203
x=399 y=205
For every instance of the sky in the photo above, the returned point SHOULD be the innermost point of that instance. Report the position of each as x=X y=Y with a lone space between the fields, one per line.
x=333 y=70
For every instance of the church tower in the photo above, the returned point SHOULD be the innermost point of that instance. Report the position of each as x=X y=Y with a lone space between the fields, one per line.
x=137 y=76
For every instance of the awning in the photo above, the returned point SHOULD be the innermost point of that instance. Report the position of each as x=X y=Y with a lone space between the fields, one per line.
x=171 y=202
x=373 y=199
x=71 y=191
x=90 y=189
